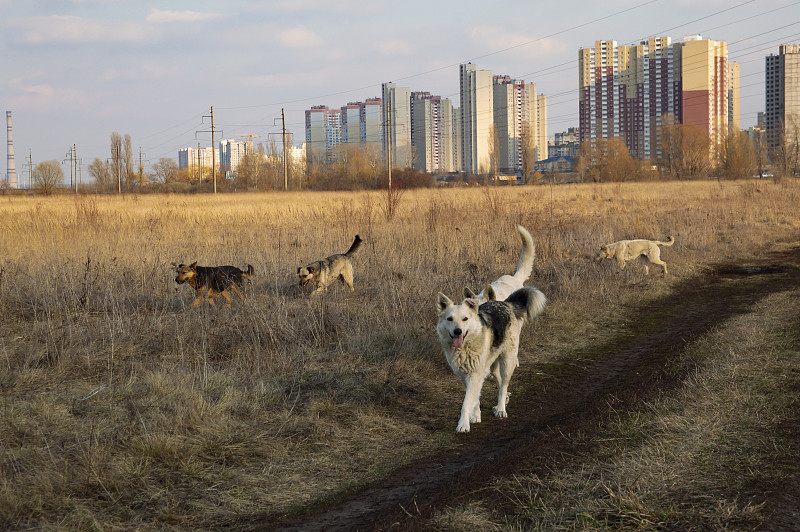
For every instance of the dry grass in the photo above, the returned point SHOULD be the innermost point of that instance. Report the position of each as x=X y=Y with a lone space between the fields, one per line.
x=208 y=415
x=702 y=458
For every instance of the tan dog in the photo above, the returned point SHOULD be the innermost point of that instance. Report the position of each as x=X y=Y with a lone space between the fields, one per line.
x=626 y=250
x=323 y=272
x=211 y=281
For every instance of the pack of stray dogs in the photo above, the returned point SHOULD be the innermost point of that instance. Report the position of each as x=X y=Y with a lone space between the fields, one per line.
x=479 y=336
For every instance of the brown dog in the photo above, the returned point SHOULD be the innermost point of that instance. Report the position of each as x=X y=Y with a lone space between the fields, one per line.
x=323 y=272
x=211 y=281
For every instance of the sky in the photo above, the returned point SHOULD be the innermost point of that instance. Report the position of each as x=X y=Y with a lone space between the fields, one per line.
x=74 y=71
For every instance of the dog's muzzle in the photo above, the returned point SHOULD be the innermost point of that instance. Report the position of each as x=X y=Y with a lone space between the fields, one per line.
x=458 y=340
x=179 y=281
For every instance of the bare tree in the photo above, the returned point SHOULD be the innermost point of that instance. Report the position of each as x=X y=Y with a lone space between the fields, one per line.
x=165 y=171
x=116 y=157
x=787 y=153
x=101 y=173
x=685 y=149
x=494 y=152
x=131 y=178
x=735 y=155
x=48 y=176
x=606 y=160
x=528 y=149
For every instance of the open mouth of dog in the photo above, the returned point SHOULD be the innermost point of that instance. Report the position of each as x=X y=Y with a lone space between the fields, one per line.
x=304 y=282
x=458 y=341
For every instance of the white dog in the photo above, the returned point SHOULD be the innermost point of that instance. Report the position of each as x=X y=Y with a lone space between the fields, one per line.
x=481 y=339
x=502 y=287
x=626 y=250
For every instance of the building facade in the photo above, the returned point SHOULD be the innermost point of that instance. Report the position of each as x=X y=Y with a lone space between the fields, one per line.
x=323 y=134
x=627 y=91
x=477 y=118
x=232 y=151
x=520 y=122
x=195 y=158
x=396 y=110
x=782 y=98
x=432 y=133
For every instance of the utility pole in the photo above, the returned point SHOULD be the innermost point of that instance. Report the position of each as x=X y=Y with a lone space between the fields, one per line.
x=213 y=155
x=388 y=145
x=75 y=162
x=213 y=151
x=199 y=172
x=141 y=177
x=30 y=164
x=119 y=170
x=285 y=162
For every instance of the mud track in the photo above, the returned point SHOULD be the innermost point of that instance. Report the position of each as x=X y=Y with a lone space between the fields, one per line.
x=641 y=366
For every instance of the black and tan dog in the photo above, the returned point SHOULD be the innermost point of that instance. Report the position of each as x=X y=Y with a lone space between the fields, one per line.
x=211 y=281
x=323 y=272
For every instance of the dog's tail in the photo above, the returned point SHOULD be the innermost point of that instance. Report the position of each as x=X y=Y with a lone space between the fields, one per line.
x=526 y=256
x=249 y=273
x=353 y=248
x=527 y=302
x=669 y=242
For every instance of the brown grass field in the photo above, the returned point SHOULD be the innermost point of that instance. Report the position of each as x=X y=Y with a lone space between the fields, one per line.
x=124 y=408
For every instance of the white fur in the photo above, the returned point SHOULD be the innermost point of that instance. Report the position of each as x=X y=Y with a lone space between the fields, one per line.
x=467 y=346
x=626 y=250
x=506 y=284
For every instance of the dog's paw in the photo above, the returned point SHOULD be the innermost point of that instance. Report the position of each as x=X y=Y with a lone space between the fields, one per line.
x=463 y=426
x=499 y=412
x=475 y=418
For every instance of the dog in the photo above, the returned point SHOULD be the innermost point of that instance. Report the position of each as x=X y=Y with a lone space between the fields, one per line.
x=323 y=272
x=211 y=281
x=502 y=287
x=482 y=339
x=626 y=250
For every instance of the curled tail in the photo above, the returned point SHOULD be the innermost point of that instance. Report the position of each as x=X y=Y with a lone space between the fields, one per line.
x=354 y=247
x=669 y=242
x=525 y=264
x=527 y=302
x=249 y=273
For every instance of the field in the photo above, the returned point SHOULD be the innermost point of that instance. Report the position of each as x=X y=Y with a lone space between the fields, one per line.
x=124 y=407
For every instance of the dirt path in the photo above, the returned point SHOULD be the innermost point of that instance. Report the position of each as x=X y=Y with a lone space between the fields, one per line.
x=631 y=371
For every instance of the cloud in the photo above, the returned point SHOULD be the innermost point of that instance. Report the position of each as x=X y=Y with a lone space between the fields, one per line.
x=62 y=29
x=299 y=37
x=163 y=16
x=39 y=90
x=496 y=39
x=394 y=47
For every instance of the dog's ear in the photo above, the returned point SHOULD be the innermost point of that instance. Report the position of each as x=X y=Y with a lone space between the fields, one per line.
x=468 y=293
x=193 y=265
x=312 y=268
x=442 y=302
x=472 y=303
x=298 y=269
x=489 y=293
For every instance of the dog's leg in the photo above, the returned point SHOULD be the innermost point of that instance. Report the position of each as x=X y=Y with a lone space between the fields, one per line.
x=471 y=409
x=347 y=277
x=235 y=289
x=225 y=294
x=198 y=301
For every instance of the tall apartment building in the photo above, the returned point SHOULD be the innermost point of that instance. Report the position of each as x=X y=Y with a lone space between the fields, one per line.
x=477 y=117
x=705 y=86
x=323 y=134
x=351 y=123
x=734 y=113
x=457 y=144
x=396 y=109
x=432 y=133
x=520 y=121
x=232 y=151
x=782 y=77
x=370 y=121
x=197 y=157
x=627 y=90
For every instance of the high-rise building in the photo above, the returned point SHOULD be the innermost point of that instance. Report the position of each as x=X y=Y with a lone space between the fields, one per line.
x=197 y=157
x=396 y=110
x=323 y=134
x=705 y=86
x=431 y=132
x=11 y=169
x=232 y=151
x=782 y=76
x=370 y=120
x=520 y=121
x=565 y=144
x=477 y=118
x=351 y=123
x=626 y=91
x=457 y=142
x=734 y=115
